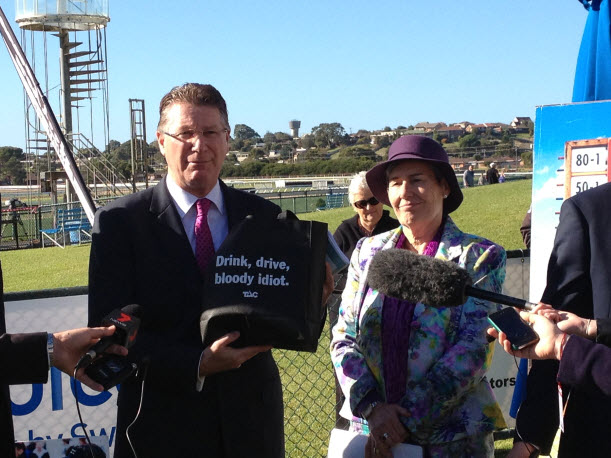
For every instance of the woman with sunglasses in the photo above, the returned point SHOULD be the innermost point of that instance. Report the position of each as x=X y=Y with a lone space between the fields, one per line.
x=414 y=372
x=370 y=219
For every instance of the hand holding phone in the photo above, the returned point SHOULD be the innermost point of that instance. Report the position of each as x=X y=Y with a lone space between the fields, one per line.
x=519 y=333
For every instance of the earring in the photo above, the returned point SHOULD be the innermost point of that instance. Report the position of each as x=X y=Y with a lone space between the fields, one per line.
x=445 y=196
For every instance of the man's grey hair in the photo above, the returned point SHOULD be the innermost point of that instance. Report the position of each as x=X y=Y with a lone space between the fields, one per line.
x=194 y=94
x=358 y=183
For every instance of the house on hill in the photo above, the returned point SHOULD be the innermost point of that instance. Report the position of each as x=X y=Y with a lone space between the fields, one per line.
x=451 y=132
x=299 y=155
x=500 y=127
x=521 y=124
x=476 y=128
x=429 y=126
x=493 y=127
x=241 y=156
x=463 y=124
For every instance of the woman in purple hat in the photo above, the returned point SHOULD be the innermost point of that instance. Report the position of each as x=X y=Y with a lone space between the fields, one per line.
x=411 y=372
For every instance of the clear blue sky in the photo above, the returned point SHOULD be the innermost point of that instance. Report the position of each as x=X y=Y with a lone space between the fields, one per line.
x=363 y=64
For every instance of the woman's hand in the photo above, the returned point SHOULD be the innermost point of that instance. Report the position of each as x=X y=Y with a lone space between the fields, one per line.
x=385 y=429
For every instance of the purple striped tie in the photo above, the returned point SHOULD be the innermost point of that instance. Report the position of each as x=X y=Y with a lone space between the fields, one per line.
x=204 y=247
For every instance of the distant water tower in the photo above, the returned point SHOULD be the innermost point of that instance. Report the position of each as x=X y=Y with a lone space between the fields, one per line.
x=294 y=125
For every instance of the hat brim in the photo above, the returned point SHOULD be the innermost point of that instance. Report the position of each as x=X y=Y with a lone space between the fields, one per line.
x=376 y=180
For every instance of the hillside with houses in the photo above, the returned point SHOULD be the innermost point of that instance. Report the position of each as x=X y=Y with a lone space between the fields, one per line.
x=467 y=143
x=327 y=149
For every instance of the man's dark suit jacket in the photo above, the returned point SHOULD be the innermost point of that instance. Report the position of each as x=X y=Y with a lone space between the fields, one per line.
x=140 y=254
x=23 y=358
x=579 y=281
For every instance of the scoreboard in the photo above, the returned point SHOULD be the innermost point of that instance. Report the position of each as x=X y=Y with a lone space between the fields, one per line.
x=585 y=165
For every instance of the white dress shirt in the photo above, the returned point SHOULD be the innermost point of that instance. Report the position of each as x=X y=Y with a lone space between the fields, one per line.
x=187 y=210
x=217 y=222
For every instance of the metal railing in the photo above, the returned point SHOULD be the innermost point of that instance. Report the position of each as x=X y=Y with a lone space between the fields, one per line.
x=20 y=227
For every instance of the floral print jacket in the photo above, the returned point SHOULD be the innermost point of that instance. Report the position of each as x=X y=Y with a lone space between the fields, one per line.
x=447 y=393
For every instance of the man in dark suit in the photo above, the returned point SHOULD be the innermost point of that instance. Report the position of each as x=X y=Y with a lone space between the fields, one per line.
x=578 y=282
x=145 y=250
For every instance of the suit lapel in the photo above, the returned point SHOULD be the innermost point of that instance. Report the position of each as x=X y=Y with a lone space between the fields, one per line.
x=171 y=235
x=236 y=210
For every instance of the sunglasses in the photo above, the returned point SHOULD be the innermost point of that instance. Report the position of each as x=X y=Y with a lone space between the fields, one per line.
x=361 y=204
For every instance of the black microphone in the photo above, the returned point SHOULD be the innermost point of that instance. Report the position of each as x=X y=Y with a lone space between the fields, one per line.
x=126 y=322
x=416 y=278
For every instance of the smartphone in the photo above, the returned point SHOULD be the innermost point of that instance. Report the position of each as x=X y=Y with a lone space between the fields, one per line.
x=519 y=333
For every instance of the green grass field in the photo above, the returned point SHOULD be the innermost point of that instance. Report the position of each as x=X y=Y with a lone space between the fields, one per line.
x=494 y=212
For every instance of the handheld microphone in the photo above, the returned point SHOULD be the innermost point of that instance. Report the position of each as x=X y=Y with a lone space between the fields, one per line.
x=415 y=278
x=126 y=322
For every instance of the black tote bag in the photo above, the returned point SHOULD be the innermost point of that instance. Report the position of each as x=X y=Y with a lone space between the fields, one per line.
x=266 y=282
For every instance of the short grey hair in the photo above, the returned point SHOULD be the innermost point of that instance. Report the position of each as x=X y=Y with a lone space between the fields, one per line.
x=358 y=183
x=193 y=94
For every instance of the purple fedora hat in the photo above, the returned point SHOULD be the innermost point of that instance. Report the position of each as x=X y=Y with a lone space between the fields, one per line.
x=422 y=149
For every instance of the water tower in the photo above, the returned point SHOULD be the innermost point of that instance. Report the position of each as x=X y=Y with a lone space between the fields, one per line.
x=75 y=84
x=294 y=125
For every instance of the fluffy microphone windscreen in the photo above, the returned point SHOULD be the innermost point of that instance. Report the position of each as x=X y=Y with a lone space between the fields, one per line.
x=417 y=278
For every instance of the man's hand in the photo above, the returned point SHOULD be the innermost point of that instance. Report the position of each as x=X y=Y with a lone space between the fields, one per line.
x=69 y=346
x=550 y=338
x=571 y=323
x=220 y=357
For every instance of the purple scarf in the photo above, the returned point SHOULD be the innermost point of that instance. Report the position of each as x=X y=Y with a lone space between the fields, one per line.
x=397 y=316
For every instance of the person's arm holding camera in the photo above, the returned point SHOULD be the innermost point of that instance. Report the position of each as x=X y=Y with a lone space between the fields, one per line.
x=583 y=363
x=27 y=358
x=69 y=346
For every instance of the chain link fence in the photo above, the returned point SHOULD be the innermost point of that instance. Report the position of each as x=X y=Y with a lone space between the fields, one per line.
x=311 y=398
x=311 y=401
x=21 y=226
x=305 y=201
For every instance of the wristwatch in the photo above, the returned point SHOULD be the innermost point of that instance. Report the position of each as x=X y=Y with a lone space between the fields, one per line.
x=50 y=349
x=368 y=410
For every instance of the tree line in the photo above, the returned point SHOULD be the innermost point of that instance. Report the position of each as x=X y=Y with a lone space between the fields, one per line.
x=327 y=149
